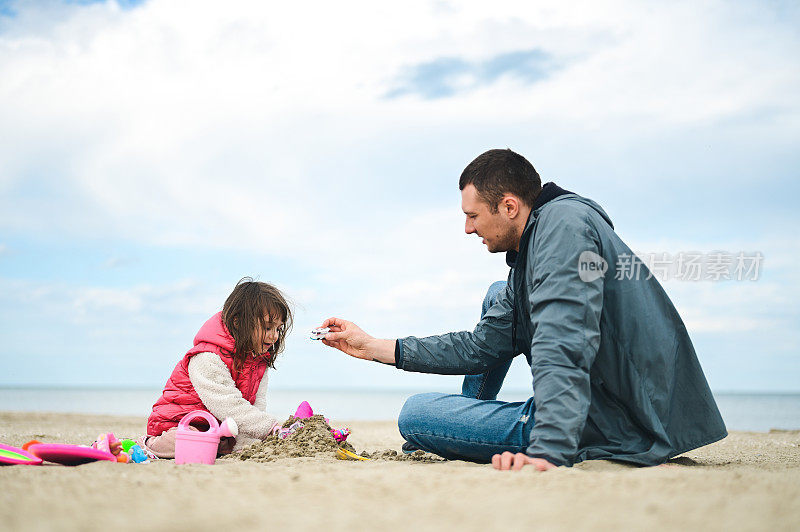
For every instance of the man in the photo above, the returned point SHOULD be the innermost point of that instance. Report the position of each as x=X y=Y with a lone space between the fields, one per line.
x=615 y=375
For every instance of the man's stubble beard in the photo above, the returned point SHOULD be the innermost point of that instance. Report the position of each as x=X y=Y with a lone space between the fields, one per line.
x=506 y=242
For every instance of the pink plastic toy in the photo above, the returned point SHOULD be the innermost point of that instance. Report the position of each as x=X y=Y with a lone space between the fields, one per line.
x=66 y=454
x=340 y=434
x=13 y=455
x=304 y=411
x=109 y=443
x=195 y=447
x=284 y=433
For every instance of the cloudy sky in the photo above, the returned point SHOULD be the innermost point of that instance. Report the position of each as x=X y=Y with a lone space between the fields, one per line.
x=153 y=153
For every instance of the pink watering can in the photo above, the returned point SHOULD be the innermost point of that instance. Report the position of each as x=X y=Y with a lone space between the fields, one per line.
x=196 y=447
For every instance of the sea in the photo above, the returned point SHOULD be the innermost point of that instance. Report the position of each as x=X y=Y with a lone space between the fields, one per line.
x=759 y=412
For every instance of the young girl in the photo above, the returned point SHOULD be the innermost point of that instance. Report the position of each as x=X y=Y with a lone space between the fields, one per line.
x=225 y=373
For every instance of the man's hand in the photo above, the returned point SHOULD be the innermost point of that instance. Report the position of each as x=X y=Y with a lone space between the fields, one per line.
x=348 y=338
x=515 y=462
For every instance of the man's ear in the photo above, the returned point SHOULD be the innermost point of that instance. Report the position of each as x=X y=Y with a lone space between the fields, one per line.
x=510 y=205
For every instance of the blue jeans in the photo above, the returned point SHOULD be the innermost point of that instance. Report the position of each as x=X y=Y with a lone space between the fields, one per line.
x=471 y=426
x=487 y=385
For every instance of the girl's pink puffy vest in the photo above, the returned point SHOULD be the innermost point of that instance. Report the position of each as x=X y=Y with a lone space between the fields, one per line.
x=179 y=397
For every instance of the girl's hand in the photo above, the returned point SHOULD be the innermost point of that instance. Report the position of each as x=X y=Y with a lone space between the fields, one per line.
x=348 y=338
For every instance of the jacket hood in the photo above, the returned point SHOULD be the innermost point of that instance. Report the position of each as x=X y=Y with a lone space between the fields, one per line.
x=588 y=202
x=551 y=193
x=214 y=332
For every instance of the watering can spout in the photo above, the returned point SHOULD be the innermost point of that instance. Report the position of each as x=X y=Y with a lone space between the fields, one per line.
x=228 y=428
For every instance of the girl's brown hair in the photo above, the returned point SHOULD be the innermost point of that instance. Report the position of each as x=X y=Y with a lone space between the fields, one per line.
x=252 y=304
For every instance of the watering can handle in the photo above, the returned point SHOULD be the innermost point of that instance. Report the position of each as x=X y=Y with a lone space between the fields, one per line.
x=213 y=424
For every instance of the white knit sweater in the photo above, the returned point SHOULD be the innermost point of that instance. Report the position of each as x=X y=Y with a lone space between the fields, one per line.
x=213 y=383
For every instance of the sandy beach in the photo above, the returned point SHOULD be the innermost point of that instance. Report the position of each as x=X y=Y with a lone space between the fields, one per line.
x=749 y=481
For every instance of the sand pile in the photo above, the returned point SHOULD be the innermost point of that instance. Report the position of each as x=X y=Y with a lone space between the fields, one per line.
x=315 y=438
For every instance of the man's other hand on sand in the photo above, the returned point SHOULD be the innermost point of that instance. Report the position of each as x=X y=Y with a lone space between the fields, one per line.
x=515 y=462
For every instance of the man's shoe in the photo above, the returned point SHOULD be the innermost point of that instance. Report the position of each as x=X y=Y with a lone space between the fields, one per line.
x=409 y=448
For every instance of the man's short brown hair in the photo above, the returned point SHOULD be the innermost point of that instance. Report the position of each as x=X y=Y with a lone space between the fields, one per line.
x=496 y=173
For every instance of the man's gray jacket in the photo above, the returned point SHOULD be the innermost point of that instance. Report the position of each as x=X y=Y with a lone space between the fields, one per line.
x=615 y=375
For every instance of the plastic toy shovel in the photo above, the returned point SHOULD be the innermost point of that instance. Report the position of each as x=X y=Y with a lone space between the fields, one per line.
x=344 y=454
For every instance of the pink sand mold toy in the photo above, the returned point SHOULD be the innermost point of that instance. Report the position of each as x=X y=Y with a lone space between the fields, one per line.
x=304 y=411
x=196 y=447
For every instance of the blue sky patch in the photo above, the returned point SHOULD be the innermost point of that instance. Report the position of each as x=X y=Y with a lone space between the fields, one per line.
x=446 y=76
x=125 y=4
x=6 y=9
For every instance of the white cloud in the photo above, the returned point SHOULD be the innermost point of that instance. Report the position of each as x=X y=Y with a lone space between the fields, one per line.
x=118 y=262
x=100 y=301
x=255 y=127
x=87 y=305
x=230 y=130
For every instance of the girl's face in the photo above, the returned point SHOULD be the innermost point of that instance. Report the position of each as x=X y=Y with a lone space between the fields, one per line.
x=266 y=338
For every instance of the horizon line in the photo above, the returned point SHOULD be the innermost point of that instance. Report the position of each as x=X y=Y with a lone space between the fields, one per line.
x=148 y=387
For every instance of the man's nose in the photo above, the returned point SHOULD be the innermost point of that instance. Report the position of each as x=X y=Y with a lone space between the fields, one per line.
x=468 y=228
